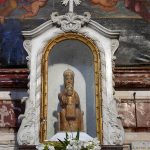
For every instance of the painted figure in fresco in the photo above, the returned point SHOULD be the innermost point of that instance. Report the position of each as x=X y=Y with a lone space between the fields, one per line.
x=1 y=20
x=141 y=7
x=2 y=1
x=70 y=117
x=10 y=5
x=11 y=44
x=105 y=4
x=33 y=8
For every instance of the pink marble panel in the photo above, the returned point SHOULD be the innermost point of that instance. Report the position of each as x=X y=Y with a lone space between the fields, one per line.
x=9 y=112
x=143 y=114
x=127 y=112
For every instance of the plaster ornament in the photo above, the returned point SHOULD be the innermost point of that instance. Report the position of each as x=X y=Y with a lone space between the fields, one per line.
x=71 y=2
x=70 y=21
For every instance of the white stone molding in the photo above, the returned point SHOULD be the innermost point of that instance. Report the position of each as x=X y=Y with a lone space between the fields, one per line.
x=106 y=41
x=70 y=22
x=117 y=124
x=114 y=45
x=25 y=134
x=27 y=45
x=113 y=132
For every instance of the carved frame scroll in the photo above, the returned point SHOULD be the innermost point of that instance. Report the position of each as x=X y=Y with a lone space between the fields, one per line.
x=97 y=76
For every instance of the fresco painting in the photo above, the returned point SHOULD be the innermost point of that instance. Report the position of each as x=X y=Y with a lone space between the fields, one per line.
x=103 y=8
x=8 y=7
x=30 y=6
x=33 y=8
x=18 y=15
x=12 y=52
x=141 y=7
x=105 y=4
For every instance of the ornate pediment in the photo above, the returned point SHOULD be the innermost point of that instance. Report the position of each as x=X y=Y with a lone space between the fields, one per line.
x=70 y=22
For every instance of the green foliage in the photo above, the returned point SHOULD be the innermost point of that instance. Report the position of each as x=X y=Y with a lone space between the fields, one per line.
x=77 y=136
x=46 y=147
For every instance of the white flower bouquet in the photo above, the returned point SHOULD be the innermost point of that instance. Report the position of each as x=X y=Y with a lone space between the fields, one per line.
x=71 y=144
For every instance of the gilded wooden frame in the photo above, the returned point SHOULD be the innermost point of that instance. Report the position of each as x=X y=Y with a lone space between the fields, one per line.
x=97 y=75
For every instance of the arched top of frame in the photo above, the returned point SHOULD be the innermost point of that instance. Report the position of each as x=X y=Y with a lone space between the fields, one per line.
x=72 y=36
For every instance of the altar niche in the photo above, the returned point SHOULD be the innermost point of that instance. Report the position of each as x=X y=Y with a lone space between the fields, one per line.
x=78 y=53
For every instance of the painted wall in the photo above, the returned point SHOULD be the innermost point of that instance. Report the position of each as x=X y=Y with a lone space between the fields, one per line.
x=134 y=49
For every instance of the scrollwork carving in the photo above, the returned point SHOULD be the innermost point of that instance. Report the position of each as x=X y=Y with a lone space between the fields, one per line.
x=26 y=132
x=27 y=45
x=25 y=135
x=70 y=21
x=114 y=45
x=115 y=124
x=117 y=135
